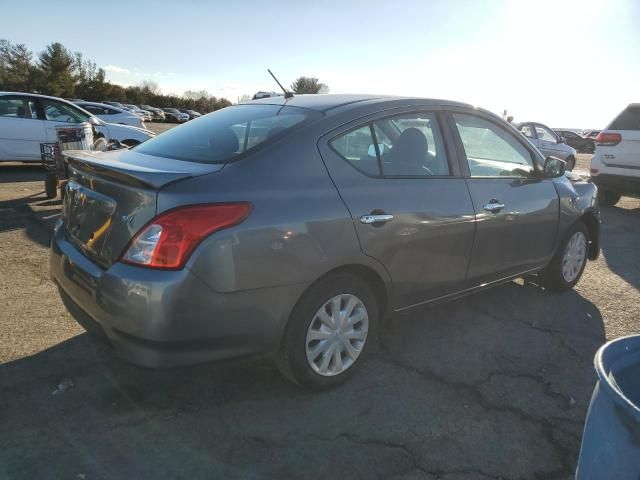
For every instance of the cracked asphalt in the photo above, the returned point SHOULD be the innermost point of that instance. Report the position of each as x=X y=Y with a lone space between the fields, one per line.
x=493 y=386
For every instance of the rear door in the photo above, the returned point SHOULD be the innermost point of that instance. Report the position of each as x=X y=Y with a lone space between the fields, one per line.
x=21 y=131
x=410 y=206
x=517 y=212
x=627 y=153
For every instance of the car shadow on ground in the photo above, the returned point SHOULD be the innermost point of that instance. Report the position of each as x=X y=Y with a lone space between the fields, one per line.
x=15 y=172
x=622 y=256
x=492 y=386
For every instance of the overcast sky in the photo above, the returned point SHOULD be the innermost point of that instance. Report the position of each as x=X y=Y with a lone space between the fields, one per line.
x=567 y=63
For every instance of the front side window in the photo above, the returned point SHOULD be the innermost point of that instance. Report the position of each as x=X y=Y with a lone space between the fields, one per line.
x=226 y=133
x=407 y=145
x=545 y=134
x=59 y=112
x=492 y=151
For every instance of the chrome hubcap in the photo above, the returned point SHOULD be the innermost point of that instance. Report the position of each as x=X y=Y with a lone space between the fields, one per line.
x=574 y=256
x=337 y=335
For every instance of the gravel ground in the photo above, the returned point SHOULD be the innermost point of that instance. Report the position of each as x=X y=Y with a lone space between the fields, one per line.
x=495 y=385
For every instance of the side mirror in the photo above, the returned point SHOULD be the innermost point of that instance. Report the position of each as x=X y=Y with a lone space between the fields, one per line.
x=553 y=167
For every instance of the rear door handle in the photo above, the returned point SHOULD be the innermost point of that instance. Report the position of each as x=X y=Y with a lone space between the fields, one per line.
x=371 y=219
x=494 y=206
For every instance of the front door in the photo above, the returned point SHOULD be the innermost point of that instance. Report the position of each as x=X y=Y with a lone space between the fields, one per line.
x=410 y=206
x=21 y=132
x=517 y=212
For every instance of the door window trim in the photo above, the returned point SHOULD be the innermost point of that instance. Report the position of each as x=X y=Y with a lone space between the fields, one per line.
x=368 y=120
x=462 y=155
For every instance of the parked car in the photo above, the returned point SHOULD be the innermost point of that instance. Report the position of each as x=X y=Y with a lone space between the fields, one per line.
x=156 y=113
x=591 y=133
x=116 y=104
x=27 y=120
x=192 y=113
x=615 y=166
x=293 y=226
x=110 y=114
x=261 y=94
x=141 y=112
x=174 y=115
x=548 y=142
x=577 y=141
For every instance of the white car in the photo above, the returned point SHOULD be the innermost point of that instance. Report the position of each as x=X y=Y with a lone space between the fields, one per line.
x=615 y=165
x=110 y=114
x=140 y=111
x=27 y=120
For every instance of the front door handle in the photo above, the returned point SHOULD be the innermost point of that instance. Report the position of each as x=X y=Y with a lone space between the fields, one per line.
x=371 y=219
x=494 y=206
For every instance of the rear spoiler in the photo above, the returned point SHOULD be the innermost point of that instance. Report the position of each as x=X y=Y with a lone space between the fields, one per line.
x=132 y=168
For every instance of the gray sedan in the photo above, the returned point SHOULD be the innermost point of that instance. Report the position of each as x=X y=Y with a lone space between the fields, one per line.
x=292 y=226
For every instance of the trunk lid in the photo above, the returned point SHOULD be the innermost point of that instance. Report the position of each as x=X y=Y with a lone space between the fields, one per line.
x=112 y=195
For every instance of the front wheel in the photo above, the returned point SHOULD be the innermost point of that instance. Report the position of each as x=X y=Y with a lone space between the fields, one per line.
x=567 y=265
x=329 y=332
x=571 y=163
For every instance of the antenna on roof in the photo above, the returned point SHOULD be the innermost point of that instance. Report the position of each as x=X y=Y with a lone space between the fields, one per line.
x=287 y=93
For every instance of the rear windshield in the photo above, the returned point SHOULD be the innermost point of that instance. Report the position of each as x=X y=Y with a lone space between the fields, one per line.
x=225 y=134
x=629 y=119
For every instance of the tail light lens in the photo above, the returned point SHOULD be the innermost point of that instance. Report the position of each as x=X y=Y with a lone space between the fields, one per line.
x=168 y=240
x=605 y=139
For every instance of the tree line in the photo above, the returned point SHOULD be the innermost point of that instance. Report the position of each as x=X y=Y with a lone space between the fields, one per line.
x=59 y=72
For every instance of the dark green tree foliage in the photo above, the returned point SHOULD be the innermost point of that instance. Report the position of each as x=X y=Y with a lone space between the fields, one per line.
x=309 y=85
x=59 y=72
x=57 y=68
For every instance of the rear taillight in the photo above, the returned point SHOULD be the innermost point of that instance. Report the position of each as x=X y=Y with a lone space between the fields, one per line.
x=167 y=241
x=605 y=139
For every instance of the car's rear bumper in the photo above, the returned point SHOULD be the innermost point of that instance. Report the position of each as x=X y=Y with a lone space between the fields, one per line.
x=624 y=185
x=167 y=318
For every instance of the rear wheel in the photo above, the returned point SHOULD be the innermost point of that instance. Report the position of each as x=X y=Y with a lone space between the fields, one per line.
x=567 y=265
x=329 y=332
x=607 y=198
x=51 y=185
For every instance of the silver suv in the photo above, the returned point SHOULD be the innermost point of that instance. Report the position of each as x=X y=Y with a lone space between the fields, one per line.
x=548 y=142
x=615 y=166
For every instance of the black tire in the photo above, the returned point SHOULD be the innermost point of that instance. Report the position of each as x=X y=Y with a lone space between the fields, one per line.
x=51 y=185
x=607 y=198
x=571 y=163
x=130 y=143
x=552 y=277
x=291 y=358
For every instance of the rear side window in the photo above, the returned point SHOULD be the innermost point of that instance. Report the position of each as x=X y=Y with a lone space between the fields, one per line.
x=403 y=146
x=222 y=136
x=629 y=119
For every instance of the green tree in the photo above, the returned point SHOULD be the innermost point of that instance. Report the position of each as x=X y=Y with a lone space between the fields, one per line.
x=57 y=68
x=309 y=85
x=17 y=72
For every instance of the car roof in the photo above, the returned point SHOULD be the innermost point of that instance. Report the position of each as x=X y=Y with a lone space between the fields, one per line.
x=325 y=102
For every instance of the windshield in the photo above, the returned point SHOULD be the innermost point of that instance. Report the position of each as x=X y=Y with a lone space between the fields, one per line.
x=225 y=134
